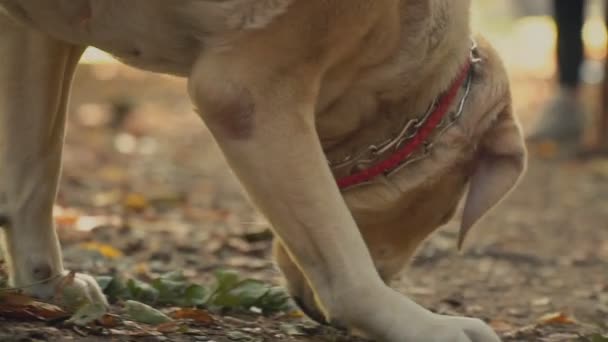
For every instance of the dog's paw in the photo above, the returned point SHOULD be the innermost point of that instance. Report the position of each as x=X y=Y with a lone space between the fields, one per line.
x=70 y=290
x=75 y=289
x=461 y=329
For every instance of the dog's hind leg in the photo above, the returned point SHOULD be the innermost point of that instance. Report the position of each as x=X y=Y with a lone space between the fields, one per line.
x=35 y=76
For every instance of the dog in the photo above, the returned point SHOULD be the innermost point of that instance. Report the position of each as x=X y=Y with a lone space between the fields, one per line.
x=355 y=127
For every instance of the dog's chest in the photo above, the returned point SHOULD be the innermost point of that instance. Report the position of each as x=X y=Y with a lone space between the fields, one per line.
x=144 y=33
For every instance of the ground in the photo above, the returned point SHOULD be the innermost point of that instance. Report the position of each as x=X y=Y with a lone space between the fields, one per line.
x=145 y=192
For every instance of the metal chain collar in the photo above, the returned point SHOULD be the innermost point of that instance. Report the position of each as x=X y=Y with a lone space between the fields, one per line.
x=369 y=156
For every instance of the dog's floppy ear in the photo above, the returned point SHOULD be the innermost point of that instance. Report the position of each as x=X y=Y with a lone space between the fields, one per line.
x=499 y=163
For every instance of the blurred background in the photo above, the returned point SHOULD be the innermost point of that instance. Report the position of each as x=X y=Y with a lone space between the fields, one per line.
x=526 y=35
x=145 y=191
x=529 y=35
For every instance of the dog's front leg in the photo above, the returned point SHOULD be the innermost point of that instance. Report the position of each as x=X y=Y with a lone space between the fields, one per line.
x=35 y=76
x=262 y=116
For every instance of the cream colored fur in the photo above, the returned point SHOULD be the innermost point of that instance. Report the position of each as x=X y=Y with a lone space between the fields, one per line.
x=282 y=85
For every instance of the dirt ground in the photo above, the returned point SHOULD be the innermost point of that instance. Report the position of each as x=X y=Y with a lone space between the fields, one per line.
x=536 y=269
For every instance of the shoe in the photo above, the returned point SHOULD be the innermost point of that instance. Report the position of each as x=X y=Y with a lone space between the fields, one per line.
x=562 y=120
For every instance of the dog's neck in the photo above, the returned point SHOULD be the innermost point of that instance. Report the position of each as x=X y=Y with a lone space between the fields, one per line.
x=432 y=47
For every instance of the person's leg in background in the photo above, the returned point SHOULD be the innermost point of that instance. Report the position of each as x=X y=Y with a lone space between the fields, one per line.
x=563 y=119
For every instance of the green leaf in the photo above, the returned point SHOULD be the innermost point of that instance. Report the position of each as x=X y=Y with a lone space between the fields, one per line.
x=242 y=295
x=141 y=291
x=277 y=299
x=113 y=287
x=599 y=338
x=225 y=280
x=196 y=295
x=142 y=313
x=168 y=291
x=232 y=293
x=104 y=281
x=88 y=314
x=174 y=290
x=229 y=292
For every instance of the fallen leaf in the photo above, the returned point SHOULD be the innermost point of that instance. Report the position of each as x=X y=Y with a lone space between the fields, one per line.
x=544 y=301
x=136 y=202
x=173 y=289
x=291 y=329
x=88 y=223
x=142 y=313
x=88 y=314
x=198 y=316
x=599 y=338
x=113 y=287
x=556 y=318
x=103 y=249
x=65 y=217
x=169 y=327
x=106 y=199
x=233 y=293
x=501 y=326
x=241 y=295
x=247 y=263
x=296 y=314
x=141 y=291
x=239 y=245
x=238 y=336
x=560 y=337
x=113 y=174
x=109 y=321
x=17 y=306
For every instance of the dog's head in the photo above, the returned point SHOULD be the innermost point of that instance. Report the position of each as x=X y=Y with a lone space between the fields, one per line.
x=499 y=162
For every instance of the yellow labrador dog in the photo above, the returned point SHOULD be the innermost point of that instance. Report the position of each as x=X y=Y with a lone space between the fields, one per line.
x=354 y=125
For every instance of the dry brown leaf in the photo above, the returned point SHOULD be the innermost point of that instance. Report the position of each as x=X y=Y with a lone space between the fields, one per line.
x=103 y=249
x=65 y=217
x=109 y=321
x=136 y=202
x=544 y=301
x=556 y=318
x=501 y=326
x=169 y=327
x=18 y=306
x=296 y=314
x=199 y=316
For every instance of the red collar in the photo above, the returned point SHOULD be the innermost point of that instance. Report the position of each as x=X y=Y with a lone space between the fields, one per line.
x=402 y=154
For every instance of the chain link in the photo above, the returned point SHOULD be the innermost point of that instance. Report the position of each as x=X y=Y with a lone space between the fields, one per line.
x=370 y=155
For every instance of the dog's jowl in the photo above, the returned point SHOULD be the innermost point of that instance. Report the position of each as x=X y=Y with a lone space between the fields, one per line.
x=355 y=127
